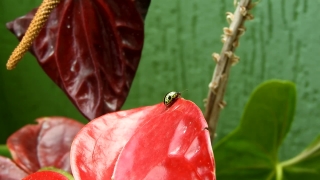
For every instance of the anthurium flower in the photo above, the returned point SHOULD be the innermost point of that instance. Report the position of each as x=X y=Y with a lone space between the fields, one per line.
x=42 y=145
x=90 y=49
x=153 y=142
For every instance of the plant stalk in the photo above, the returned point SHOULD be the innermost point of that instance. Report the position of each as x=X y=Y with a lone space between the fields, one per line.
x=217 y=86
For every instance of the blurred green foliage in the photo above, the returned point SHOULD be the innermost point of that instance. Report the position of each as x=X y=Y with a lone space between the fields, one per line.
x=251 y=150
x=4 y=151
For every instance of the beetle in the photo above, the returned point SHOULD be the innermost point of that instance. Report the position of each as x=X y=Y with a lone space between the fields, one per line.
x=170 y=98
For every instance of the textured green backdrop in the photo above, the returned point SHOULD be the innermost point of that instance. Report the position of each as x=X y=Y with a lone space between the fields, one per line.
x=281 y=42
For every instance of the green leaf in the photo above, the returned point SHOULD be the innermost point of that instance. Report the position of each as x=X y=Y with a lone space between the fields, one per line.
x=250 y=151
x=4 y=151
x=304 y=166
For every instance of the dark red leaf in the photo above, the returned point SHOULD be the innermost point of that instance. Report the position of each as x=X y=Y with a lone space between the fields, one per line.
x=91 y=49
x=54 y=141
x=23 y=147
x=152 y=142
x=46 y=175
x=9 y=170
x=45 y=144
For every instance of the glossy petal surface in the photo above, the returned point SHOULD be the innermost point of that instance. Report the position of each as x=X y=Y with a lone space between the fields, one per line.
x=154 y=142
x=54 y=141
x=23 y=147
x=91 y=49
x=45 y=144
x=9 y=170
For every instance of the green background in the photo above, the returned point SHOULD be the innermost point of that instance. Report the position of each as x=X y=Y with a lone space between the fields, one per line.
x=281 y=42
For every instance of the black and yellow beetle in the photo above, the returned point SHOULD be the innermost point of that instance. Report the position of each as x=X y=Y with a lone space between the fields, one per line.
x=171 y=97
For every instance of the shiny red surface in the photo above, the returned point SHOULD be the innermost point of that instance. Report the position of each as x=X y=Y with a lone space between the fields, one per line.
x=45 y=144
x=9 y=170
x=45 y=175
x=154 y=142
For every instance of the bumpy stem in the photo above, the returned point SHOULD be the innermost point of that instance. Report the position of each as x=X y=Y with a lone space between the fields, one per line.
x=32 y=32
x=217 y=86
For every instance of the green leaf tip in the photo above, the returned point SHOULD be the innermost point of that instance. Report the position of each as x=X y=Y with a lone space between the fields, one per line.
x=4 y=151
x=61 y=171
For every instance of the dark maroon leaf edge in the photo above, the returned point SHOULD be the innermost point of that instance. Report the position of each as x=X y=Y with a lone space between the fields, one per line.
x=142 y=6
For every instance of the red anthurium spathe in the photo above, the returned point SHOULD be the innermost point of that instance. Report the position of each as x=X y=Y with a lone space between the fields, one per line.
x=154 y=142
x=36 y=146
